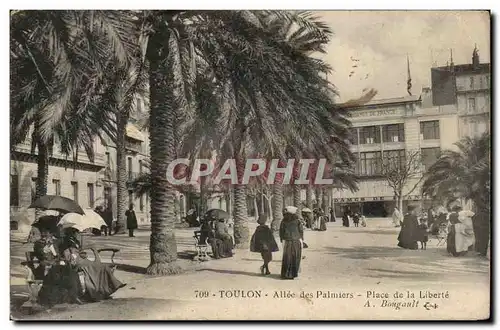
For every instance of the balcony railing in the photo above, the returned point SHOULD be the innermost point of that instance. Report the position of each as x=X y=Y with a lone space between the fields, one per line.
x=135 y=147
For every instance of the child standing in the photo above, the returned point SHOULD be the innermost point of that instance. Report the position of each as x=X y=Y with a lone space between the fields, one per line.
x=263 y=241
x=355 y=219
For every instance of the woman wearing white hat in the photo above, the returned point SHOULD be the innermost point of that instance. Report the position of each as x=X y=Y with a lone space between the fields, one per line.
x=291 y=235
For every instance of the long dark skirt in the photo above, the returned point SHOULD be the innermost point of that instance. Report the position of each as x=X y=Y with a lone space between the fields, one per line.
x=100 y=282
x=227 y=246
x=292 y=254
x=322 y=223
x=60 y=285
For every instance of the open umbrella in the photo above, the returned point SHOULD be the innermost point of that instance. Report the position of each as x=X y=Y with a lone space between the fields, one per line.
x=216 y=214
x=81 y=222
x=58 y=203
x=47 y=222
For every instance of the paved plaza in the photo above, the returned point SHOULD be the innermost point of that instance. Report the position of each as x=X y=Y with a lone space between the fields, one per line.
x=347 y=273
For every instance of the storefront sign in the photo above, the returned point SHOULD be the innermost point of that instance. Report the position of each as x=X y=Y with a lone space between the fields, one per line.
x=375 y=113
x=375 y=199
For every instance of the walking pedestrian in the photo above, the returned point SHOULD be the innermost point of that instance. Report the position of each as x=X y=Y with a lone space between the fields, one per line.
x=263 y=241
x=397 y=217
x=355 y=219
x=332 y=214
x=292 y=236
x=131 y=220
x=409 y=230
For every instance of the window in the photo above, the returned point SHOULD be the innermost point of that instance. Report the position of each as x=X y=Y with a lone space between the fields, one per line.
x=471 y=104
x=393 y=133
x=471 y=82
x=353 y=136
x=487 y=81
x=429 y=156
x=108 y=159
x=57 y=187
x=395 y=158
x=108 y=196
x=369 y=135
x=129 y=160
x=74 y=187
x=14 y=190
x=370 y=163
x=141 y=203
x=33 y=189
x=429 y=130
x=140 y=166
x=90 y=194
x=130 y=198
x=481 y=82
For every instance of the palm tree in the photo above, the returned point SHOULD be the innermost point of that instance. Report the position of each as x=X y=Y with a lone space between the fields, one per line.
x=57 y=60
x=464 y=173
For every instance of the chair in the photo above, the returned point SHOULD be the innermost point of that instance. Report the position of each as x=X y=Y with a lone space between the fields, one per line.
x=201 y=246
x=442 y=235
x=34 y=278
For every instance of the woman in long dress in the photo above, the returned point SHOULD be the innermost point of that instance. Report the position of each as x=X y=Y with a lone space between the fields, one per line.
x=396 y=217
x=461 y=234
x=222 y=234
x=409 y=230
x=291 y=235
x=345 y=219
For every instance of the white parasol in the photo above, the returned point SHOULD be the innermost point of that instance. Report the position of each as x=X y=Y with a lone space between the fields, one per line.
x=81 y=222
x=306 y=210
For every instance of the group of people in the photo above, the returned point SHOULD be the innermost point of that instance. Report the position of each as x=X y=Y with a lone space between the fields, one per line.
x=291 y=234
x=107 y=216
x=216 y=233
x=458 y=223
x=68 y=276
x=315 y=220
x=357 y=218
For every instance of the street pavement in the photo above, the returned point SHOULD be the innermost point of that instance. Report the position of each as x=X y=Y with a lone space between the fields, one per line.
x=347 y=274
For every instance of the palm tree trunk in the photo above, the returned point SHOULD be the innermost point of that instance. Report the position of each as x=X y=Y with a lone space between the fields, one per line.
x=269 y=209
x=121 y=175
x=324 y=203
x=163 y=246
x=241 y=231
x=42 y=173
x=228 y=201
x=296 y=199
x=309 y=196
x=278 y=206
x=256 y=208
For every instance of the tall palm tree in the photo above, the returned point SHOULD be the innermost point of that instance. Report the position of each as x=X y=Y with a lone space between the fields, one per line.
x=57 y=61
x=462 y=173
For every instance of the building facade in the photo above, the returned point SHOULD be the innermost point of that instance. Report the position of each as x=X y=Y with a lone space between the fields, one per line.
x=394 y=128
x=468 y=86
x=88 y=182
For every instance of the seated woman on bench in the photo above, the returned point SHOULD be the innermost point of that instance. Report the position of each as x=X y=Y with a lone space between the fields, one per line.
x=76 y=277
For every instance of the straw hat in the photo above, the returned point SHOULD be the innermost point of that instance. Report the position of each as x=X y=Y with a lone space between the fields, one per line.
x=291 y=209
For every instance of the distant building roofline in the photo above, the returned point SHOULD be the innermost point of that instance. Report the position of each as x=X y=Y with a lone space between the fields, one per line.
x=395 y=100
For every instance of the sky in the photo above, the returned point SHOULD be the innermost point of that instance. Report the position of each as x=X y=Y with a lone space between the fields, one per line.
x=381 y=40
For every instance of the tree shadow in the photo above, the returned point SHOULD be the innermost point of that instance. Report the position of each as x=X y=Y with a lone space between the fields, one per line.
x=187 y=255
x=374 y=231
x=239 y=272
x=433 y=263
x=131 y=269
